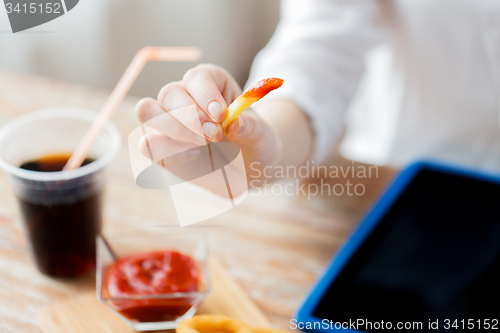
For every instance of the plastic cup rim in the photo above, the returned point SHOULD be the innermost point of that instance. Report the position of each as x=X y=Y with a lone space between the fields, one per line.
x=54 y=113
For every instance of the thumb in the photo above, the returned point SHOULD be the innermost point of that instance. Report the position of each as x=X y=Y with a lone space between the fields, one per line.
x=247 y=129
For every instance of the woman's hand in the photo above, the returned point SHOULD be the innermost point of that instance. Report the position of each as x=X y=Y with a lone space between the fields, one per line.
x=196 y=106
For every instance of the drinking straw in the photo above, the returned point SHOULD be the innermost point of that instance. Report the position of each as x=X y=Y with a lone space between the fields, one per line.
x=133 y=70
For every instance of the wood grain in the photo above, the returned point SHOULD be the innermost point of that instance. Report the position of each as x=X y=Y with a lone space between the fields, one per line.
x=274 y=246
x=86 y=314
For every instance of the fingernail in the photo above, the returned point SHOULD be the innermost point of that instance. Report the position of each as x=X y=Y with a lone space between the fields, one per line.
x=188 y=155
x=182 y=157
x=214 y=109
x=241 y=127
x=210 y=130
x=193 y=152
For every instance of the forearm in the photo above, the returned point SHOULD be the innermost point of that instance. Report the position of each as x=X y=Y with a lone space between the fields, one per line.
x=293 y=130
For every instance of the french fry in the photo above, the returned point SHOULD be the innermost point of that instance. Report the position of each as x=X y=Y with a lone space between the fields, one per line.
x=208 y=323
x=250 y=96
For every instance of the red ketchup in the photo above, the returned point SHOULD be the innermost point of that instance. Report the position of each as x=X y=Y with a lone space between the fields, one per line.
x=262 y=88
x=152 y=273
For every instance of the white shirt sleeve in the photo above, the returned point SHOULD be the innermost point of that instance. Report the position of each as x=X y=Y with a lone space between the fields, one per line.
x=318 y=49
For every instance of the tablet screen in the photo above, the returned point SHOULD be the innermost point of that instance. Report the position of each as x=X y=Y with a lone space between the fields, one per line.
x=434 y=255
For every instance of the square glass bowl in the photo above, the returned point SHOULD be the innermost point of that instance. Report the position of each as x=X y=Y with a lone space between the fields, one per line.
x=153 y=311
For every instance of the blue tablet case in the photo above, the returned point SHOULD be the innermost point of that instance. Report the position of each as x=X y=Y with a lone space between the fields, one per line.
x=303 y=318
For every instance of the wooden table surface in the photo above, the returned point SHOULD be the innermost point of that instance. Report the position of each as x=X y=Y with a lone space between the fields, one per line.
x=274 y=246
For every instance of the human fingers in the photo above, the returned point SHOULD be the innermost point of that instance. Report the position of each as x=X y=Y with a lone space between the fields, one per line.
x=248 y=128
x=151 y=114
x=158 y=146
x=212 y=88
x=177 y=102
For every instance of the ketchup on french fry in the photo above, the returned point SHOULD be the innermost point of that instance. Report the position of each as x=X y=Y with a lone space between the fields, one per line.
x=250 y=96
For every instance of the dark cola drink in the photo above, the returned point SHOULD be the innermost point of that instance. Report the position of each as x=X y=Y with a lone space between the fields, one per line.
x=62 y=218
